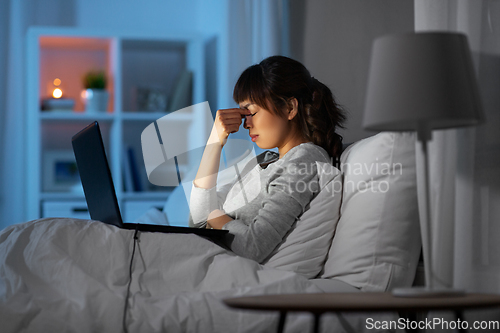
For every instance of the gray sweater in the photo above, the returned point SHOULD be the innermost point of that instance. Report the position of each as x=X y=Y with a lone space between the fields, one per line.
x=264 y=201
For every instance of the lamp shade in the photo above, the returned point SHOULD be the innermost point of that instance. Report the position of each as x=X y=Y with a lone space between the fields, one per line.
x=421 y=80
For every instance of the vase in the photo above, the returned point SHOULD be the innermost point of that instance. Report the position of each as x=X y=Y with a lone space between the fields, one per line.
x=96 y=100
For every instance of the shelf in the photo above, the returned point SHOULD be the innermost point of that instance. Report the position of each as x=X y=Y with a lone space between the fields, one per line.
x=62 y=196
x=150 y=66
x=75 y=116
x=77 y=43
x=146 y=195
x=144 y=72
x=69 y=59
x=152 y=116
x=109 y=116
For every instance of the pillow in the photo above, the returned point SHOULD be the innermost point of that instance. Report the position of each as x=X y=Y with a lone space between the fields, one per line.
x=377 y=241
x=305 y=247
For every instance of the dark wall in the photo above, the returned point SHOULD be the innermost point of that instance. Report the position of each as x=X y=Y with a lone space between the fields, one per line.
x=336 y=41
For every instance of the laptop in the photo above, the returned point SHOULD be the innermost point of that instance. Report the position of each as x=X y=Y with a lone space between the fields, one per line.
x=100 y=191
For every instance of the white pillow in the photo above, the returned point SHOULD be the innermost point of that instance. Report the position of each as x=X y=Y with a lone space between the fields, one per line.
x=377 y=241
x=305 y=247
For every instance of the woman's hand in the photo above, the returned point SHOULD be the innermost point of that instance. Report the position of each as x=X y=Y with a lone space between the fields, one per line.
x=227 y=121
x=217 y=219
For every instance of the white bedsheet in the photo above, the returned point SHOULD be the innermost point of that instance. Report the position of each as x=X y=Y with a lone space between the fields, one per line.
x=68 y=275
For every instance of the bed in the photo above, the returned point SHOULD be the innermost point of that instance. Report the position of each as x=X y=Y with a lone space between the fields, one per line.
x=360 y=234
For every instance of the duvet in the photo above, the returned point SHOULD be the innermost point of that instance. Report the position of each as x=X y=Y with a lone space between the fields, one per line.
x=69 y=275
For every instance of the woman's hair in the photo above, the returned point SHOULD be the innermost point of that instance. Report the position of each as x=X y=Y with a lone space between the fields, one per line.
x=276 y=80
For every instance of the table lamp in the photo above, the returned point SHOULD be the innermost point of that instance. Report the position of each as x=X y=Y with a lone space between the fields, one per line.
x=421 y=82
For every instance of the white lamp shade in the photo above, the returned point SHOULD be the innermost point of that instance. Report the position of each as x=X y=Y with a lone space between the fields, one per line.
x=421 y=80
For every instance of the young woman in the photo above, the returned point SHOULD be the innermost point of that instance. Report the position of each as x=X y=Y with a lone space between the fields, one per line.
x=283 y=107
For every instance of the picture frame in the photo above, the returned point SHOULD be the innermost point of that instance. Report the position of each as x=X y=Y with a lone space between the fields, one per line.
x=151 y=99
x=60 y=172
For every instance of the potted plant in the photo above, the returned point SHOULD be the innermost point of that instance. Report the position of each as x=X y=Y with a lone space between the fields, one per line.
x=96 y=96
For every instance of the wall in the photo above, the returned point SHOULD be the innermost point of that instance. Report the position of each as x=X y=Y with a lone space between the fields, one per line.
x=4 y=36
x=16 y=17
x=212 y=19
x=144 y=15
x=337 y=43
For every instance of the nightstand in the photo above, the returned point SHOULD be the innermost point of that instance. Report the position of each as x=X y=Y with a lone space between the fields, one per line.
x=318 y=304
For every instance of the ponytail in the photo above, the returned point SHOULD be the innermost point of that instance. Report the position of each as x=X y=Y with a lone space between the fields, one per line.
x=322 y=119
x=276 y=80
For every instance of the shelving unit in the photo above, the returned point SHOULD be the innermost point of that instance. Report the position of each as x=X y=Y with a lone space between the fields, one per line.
x=131 y=62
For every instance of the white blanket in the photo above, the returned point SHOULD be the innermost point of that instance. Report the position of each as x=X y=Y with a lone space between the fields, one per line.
x=67 y=275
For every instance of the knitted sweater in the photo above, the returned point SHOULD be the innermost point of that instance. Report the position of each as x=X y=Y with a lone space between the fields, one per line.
x=264 y=201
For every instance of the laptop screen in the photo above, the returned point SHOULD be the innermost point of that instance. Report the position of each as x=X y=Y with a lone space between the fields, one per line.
x=96 y=176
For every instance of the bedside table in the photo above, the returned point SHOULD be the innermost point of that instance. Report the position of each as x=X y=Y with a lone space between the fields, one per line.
x=318 y=304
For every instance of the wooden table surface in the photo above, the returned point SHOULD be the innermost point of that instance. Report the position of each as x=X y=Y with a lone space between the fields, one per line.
x=361 y=301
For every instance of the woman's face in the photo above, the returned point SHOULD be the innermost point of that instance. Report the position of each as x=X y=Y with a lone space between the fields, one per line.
x=269 y=130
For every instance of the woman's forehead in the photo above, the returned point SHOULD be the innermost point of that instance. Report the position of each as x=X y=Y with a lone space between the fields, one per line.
x=245 y=104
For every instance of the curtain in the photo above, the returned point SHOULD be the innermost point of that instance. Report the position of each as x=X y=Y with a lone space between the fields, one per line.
x=465 y=163
x=257 y=29
x=17 y=17
x=12 y=131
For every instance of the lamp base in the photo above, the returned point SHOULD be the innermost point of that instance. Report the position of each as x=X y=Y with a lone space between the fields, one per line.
x=427 y=292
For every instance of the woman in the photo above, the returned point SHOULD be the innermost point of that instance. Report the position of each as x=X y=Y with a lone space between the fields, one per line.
x=66 y=274
x=283 y=107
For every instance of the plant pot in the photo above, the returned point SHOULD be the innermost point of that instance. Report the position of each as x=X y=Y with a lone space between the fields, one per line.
x=96 y=100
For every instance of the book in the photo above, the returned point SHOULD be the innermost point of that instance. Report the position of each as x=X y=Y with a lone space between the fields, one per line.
x=134 y=170
x=128 y=184
x=182 y=95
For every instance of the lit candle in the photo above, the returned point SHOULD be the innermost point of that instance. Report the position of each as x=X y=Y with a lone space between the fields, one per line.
x=57 y=92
